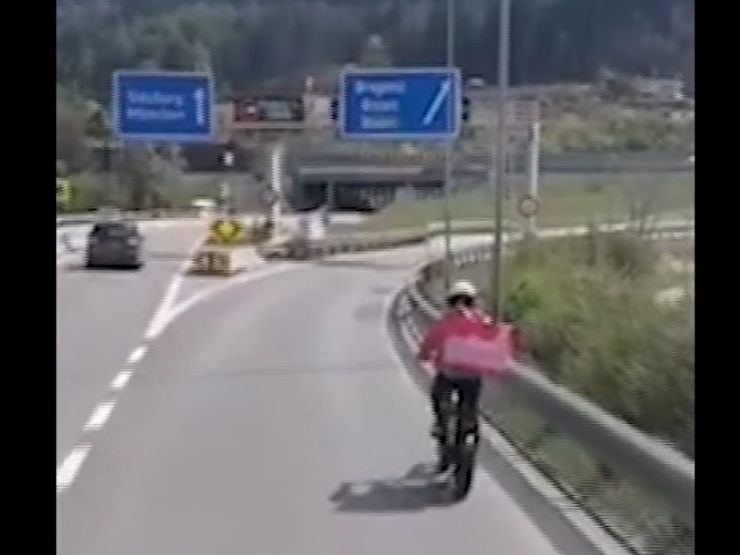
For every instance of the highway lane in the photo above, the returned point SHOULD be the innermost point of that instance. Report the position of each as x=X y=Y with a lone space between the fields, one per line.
x=273 y=418
x=101 y=316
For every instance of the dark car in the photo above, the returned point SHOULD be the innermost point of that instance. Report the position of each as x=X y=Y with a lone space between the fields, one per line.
x=115 y=243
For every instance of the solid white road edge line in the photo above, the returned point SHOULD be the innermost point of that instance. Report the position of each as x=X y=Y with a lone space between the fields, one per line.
x=185 y=305
x=171 y=293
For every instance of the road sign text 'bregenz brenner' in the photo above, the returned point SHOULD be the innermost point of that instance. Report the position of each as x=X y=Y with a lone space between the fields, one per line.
x=400 y=104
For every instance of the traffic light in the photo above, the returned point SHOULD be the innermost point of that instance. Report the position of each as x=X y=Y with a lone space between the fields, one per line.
x=465 y=109
x=334 y=108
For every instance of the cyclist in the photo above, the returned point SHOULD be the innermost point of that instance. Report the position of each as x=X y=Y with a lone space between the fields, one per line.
x=462 y=319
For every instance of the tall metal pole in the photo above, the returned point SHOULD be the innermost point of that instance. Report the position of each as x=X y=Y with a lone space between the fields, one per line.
x=277 y=154
x=533 y=168
x=449 y=147
x=500 y=160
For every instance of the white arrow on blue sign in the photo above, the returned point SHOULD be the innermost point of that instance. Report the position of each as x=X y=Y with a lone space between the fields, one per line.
x=400 y=103
x=163 y=106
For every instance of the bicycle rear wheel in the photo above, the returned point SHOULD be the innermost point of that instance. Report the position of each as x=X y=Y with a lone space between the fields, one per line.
x=463 y=476
x=466 y=449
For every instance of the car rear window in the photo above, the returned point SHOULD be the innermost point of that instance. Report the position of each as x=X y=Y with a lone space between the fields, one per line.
x=113 y=231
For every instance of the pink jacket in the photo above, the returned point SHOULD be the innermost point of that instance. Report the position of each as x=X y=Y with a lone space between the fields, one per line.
x=471 y=340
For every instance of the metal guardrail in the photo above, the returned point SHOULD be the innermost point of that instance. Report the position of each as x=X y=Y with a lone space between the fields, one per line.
x=639 y=488
x=301 y=249
x=144 y=215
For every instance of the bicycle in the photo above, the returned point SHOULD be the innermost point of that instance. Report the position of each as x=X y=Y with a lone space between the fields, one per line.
x=458 y=446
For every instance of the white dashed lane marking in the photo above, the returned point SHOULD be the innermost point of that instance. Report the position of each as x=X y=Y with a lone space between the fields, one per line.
x=136 y=355
x=99 y=416
x=67 y=471
x=69 y=468
x=121 y=379
x=71 y=465
x=166 y=313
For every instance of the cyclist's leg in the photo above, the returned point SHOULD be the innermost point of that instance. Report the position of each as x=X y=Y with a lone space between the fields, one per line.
x=469 y=396
x=440 y=389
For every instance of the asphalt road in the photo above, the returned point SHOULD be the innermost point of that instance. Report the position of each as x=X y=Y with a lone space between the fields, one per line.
x=270 y=418
x=101 y=315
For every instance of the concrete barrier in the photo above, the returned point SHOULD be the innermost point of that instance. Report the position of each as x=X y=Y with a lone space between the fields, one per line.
x=224 y=261
x=302 y=249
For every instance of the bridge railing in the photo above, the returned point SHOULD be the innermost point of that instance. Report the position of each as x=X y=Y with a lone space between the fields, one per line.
x=638 y=488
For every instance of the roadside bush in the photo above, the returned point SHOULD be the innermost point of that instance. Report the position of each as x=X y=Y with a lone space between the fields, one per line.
x=89 y=191
x=640 y=130
x=590 y=321
x=93 y=190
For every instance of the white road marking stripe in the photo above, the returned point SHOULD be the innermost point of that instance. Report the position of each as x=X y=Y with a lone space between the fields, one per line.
x=121 y=379
x=204 y=294
x=165 y=307
x=99 y=416
x=70 y=466
x=136 y=355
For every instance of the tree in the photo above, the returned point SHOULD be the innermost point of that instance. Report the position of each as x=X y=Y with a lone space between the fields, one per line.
x=145 y=170
x=71 y=122
x=252 y=42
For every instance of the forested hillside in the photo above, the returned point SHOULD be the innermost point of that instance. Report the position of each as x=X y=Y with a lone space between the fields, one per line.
x=248 y=43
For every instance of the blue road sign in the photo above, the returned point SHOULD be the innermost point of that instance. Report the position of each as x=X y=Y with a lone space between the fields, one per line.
x=163 y=106
x=400 y=103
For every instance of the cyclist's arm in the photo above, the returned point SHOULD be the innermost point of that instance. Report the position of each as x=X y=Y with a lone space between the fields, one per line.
x=430 y=345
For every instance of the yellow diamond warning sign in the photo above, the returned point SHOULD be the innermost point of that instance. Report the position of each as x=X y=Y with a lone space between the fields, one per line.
x=226 y=231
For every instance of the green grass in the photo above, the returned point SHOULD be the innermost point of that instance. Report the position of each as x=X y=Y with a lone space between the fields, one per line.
x=90 y=190
x=626 y=508
x=564 y=200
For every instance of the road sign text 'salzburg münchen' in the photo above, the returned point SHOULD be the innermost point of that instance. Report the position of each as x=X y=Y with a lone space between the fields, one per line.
x=163 y=106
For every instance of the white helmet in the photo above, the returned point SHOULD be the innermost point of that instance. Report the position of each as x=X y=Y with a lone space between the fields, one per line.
x=462 y=287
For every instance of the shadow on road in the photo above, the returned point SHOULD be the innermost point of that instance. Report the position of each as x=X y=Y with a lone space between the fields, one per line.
x=150 y=256
x=79 y=267
x=415 y=491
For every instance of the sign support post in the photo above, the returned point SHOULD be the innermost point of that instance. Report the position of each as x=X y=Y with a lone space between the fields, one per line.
x=449 y=151
x=500 y=158
x=151 y=106
x=533 y=173
x=277 y=160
